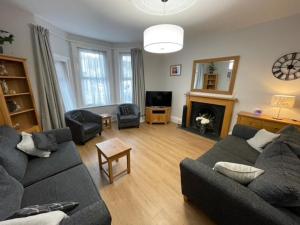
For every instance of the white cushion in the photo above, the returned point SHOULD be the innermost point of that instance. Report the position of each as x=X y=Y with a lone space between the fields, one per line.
x=241 y=173
x=27 y=146
x=50 y=218
x=261 y=139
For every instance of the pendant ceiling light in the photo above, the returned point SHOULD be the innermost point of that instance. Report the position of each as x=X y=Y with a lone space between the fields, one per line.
x=163 y=38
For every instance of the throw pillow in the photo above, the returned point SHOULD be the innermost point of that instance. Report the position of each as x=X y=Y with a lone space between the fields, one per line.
x=45 y=142
x=49 y=218
x=261 y=139
x=38 y=209
x=280 y=184
x=11 y=193
x=241 y=173
x=27 y=146
x=125 y=110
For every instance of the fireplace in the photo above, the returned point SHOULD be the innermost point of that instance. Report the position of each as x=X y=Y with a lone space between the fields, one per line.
x=209 y=116
x=214 y=115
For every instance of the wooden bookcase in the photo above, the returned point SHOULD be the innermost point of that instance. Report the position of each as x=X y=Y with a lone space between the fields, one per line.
x=13 y=71
x=210 y=81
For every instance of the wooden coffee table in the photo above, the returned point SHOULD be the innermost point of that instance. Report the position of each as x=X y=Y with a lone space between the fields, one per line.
x=112 y=150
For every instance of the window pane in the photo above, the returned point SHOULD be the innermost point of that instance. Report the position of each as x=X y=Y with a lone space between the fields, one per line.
x=125 y=78
x=64 y=85
x=94 y=78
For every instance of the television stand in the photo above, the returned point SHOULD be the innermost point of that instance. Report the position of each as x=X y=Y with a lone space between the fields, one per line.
x=158 y=114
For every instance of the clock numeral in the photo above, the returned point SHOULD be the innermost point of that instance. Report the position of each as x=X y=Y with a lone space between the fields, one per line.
x=294 y=55
x=286 y=58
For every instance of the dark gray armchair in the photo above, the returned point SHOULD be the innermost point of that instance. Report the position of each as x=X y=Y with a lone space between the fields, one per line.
x=83 y=124
x=128 y=116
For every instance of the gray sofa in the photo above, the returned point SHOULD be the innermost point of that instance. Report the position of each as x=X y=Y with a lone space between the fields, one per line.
x=62 y=177
x=224 y=200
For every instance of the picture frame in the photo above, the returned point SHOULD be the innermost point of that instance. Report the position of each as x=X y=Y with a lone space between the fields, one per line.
x=175 y=70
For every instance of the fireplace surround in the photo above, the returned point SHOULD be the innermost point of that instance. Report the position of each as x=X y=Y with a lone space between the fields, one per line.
x=219 y=108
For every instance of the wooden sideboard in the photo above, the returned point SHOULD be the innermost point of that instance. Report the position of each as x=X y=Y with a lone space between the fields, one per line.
x=264 y=121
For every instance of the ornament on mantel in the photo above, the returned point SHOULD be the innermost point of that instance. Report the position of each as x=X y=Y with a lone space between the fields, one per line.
x=5 y=36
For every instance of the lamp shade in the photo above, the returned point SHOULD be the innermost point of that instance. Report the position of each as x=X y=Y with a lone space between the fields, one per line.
x=163 y=38
x=283 y=101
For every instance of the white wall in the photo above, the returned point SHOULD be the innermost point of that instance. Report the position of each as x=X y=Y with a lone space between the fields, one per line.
x=259 y=46
x=17 y=22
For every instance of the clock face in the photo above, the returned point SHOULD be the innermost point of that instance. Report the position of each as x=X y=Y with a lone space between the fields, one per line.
x=287 y=67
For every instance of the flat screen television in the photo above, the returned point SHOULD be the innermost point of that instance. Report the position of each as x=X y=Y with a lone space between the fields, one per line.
x=158 y=98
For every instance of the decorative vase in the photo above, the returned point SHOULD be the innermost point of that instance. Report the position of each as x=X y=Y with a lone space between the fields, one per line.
x=202 y=129
x=1 y=49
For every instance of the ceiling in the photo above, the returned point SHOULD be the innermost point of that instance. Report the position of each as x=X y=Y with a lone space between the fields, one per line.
x=120 y=21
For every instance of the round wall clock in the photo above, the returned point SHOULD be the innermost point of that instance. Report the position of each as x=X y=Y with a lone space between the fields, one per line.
x=287 y=67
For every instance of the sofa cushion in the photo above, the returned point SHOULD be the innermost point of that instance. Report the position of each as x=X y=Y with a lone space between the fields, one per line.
x=74 y=184
x=45 y=208
x=11 y=192
x=13 y=160
x=45 y=141
x=280 y=184
x=64 y=158
x=77 y=116
x=90 y=127
x=239 y=147
x=243 y=174
x=128 y=118
x=261 y=139
x=217 y=154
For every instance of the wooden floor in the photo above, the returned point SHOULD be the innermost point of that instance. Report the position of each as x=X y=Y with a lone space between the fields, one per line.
x=151 y=193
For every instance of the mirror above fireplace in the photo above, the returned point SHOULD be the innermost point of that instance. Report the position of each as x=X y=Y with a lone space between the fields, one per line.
x=216 y=75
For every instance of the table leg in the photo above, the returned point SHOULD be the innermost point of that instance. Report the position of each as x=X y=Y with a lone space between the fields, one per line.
x=100 y=160
x=111 y=178
x=128 y=162
x=109 y=122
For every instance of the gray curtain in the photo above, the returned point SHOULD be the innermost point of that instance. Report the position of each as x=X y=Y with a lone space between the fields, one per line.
x=50 y=100
x=137 y=65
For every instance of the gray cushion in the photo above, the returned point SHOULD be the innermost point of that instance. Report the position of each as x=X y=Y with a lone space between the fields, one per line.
x=45 y=141
x=280 y=184
x=239 y=147
x=11 y=192
x=74 y=184
x=77 y=116
x=13 y=160
x=64 y=158
x=90 y=127
x=128 y=118
x=217 y=154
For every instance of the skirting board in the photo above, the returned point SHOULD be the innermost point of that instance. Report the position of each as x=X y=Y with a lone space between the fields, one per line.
x=176 y=119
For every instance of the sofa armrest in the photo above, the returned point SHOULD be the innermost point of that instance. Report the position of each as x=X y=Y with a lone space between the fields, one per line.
x=225 y=200
x=95 y=214
x=61 y=135
x=243 y=131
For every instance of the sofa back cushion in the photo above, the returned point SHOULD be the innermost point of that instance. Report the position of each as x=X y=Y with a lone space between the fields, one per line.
x=11 y=193
x=13 y=160
x=280 y=184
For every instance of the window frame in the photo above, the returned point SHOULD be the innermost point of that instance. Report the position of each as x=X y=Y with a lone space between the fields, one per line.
x=120 y=55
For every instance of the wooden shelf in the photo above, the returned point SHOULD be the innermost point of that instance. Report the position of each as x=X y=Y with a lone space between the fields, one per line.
x=21 y=112
x=13 y=77
x=17 y=94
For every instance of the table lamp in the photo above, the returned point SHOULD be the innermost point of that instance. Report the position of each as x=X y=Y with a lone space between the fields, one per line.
x=282 y=101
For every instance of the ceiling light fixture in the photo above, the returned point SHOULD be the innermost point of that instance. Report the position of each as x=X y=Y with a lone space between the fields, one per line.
x=163 y=38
